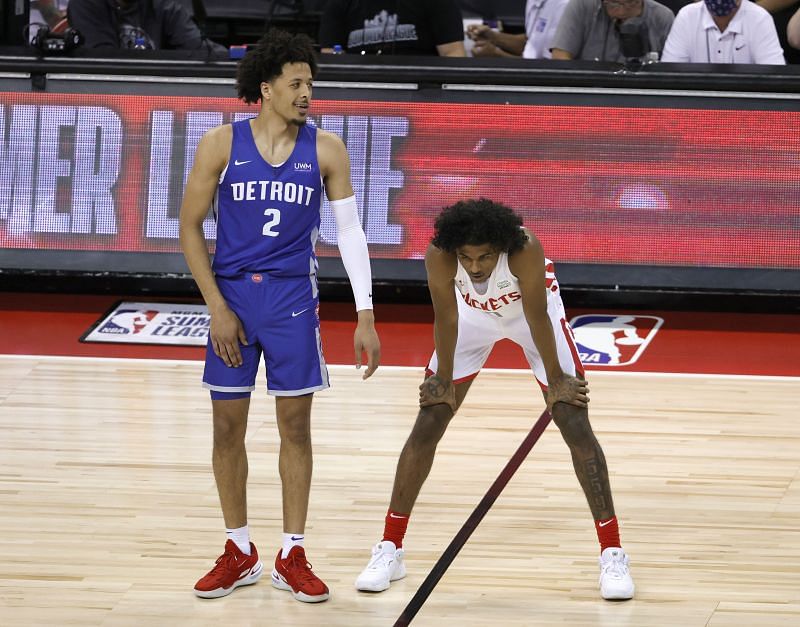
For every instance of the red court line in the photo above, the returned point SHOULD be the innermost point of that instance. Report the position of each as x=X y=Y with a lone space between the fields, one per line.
x=708 y=343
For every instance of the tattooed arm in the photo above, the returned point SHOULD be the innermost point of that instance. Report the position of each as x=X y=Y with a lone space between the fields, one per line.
x=441 y=269
x=528 y=266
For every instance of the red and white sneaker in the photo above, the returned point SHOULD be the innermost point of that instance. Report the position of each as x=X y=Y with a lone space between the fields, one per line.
x=294 y=574
x=233 y=569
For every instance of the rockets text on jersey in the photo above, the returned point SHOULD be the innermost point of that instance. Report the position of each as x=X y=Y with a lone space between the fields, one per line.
x=500 y=295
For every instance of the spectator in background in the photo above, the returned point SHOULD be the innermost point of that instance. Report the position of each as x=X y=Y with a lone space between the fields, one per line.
x=541 y=20
x=50 y=12
x=781 y=12
x=420 y=27
x=793 y=31
x=723 y=31
x=143 y=24
x=589 y=29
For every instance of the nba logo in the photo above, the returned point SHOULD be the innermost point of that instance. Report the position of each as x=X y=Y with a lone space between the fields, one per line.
x=127 y=322
x=613 y=340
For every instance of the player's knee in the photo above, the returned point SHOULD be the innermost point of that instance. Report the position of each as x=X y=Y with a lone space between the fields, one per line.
x=229 y=431
x=431 y=424
x=573 y=422
x=294 y=425
x=296 y=433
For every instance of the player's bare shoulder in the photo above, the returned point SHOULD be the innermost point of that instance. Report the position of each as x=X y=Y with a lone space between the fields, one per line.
x=214 y=148
x=530 y=258
x=331 y=151
x=439 y=263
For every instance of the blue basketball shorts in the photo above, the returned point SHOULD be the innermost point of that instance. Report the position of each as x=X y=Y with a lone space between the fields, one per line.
x=281 y=321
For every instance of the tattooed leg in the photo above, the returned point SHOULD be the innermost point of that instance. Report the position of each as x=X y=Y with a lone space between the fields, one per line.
x=587 y=458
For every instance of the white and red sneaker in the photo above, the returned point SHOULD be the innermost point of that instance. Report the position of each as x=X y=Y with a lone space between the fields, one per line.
x=294 y=574
x=233 y=569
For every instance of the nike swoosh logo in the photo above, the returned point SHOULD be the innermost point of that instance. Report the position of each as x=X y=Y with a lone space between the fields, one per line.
x=740 y=47
x=396 y=516
x=297 y=538
x=237 y=162
x=245 y=573
x=297 y=313
x=603 y=524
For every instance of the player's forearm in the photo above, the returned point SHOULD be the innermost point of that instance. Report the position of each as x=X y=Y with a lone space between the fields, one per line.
x=366 y=317
x=353 y=250
x=445 y=335
x=544 y=339
x=355 y=257
x=195 y=251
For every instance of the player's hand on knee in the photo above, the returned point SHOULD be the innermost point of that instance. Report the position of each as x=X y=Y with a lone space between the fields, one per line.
x=436 y=391
x=226 y=333
x=568 y=389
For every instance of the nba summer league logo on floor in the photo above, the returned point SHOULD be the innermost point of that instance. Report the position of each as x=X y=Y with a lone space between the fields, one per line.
x=613 y=340
x=153 y=323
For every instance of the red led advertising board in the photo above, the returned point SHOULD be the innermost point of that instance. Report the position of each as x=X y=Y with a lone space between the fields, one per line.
x=650 y=186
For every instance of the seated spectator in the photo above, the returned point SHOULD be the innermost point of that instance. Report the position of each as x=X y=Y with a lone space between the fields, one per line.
x=793 y=31
x=50 y=12
x=541 y=20
x=781 y=12
x=421 y=27
x=143 y=24
x=590 y=29
x=723 y=31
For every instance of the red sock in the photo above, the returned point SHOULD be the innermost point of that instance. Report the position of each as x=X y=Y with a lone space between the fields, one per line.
x=395 y=527
x=607 y=533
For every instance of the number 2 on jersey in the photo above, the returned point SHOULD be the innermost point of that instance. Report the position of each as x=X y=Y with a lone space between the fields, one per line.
x=274 y=216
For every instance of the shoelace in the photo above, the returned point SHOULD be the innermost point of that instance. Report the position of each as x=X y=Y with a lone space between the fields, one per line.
x=379 y=560
x=224 y=564
x=300 y=567
x=616 y=568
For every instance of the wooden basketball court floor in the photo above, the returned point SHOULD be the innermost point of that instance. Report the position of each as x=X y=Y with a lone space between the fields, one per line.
x=109 y=511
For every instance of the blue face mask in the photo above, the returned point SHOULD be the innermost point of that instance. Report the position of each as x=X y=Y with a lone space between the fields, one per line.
x=720 y=8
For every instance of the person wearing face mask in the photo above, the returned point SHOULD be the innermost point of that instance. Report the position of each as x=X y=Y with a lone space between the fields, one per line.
x=590 y=29
x=723 y=31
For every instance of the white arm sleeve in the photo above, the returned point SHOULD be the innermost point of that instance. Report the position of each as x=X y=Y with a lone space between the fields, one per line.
x=353 y=250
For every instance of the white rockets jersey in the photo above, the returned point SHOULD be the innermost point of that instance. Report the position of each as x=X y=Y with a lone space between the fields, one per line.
x=500 y=295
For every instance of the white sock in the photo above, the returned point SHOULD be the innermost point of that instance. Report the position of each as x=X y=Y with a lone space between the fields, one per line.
x=290 y=540
x=240 y=537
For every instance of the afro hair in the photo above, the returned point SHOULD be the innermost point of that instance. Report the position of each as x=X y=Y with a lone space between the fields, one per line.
x=477 y=222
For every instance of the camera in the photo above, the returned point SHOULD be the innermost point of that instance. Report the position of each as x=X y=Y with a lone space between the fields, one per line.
x=51 y=42
x=634 y=40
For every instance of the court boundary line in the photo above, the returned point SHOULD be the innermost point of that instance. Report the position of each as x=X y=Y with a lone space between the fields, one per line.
x=590 y=373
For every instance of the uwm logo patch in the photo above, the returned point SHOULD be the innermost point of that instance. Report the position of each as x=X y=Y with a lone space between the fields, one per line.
x=302 y=166
x=613 y=340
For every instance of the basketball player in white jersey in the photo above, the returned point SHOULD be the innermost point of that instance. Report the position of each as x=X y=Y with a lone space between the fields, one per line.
x=489 y=280
x=265 y=177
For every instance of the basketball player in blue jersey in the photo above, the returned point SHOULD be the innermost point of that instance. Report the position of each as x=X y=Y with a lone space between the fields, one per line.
x=265 y=177
x=489 y=280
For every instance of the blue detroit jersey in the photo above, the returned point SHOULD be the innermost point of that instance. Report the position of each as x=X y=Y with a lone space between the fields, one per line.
x=268 y=216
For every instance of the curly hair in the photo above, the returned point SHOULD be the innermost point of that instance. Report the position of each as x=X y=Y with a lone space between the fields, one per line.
x=476 y=222
x=265 y=62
